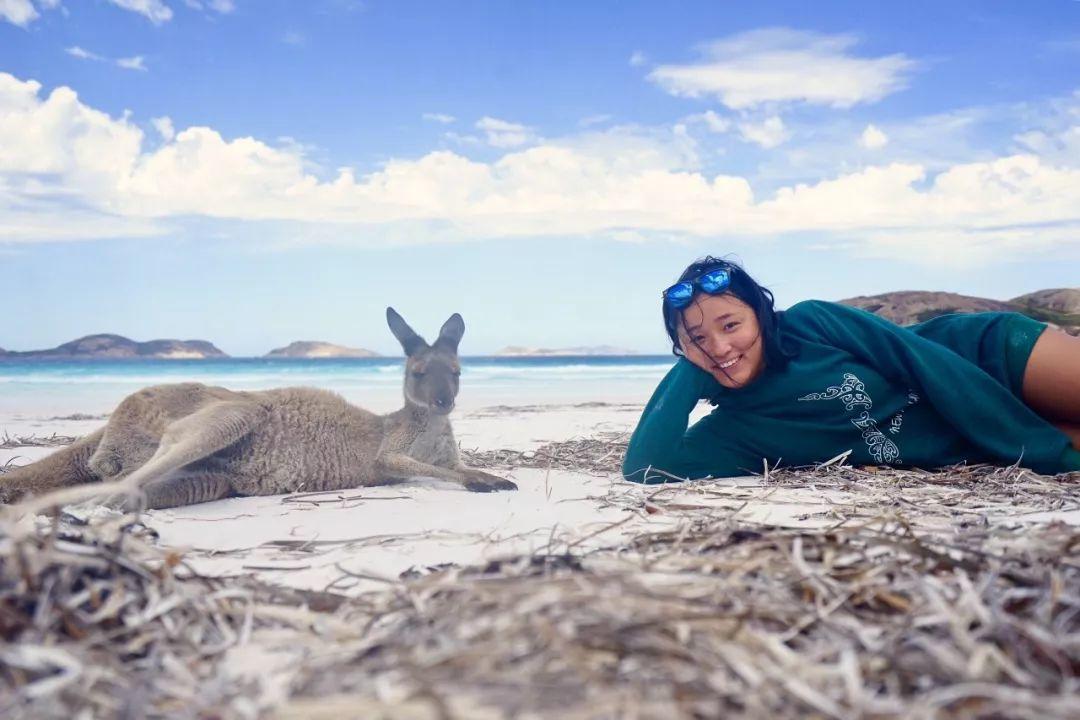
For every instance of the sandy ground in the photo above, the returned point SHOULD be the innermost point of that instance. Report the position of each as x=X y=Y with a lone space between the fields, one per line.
x=355 y=540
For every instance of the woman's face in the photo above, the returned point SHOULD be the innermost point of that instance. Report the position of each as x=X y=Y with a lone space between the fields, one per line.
x=720 y=334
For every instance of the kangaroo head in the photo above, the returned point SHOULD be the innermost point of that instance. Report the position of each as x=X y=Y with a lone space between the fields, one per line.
x=431 y=371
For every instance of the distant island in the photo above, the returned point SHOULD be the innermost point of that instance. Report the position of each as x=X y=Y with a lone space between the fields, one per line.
x=517 y=351
x=316 y=349
x=1059 y=307
x=119 y=347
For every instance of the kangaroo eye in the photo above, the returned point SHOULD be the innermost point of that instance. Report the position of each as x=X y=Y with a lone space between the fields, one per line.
x=457 y=373
x=417 y=373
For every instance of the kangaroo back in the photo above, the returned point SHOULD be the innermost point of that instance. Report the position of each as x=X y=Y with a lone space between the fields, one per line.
x=67 y=466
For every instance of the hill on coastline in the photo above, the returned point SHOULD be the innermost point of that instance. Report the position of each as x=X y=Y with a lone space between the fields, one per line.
x=1060 y=307
x=316 y=349
x=119 y=347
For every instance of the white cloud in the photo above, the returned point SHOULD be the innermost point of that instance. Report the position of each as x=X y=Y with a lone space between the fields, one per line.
x=155 y=11
x=441 y=118
x=591 y=120
x=76 y=51
x=219 y=6
x=18 y=12
x=64 y=165
x=165 y=129
x=780 y=65
x=873 y=138
x=714 y=122
x=502 y=134
x=637 y=59
x=768 y=133
x=296 y=39
x=468 y=140
x=131 y=63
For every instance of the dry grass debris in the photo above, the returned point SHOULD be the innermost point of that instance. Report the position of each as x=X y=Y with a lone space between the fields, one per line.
x=919 y=595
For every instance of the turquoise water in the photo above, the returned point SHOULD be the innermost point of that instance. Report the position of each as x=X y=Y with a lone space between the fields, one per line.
x=60 y=387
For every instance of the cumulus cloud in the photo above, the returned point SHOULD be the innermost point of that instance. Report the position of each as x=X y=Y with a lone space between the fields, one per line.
x=441 y=118
x=58 y=154
x=781 y=65
x=18 y=12
x=155 y=11
x=591 y=120
x=132 y=63
x=165 y=128
x=502 y=134
x=873 y=138
x=711 y=120
x=82 y=54
x=768 y=133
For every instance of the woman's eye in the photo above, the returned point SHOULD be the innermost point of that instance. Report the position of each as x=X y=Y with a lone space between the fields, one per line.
x=698 y=338
x=731 y=326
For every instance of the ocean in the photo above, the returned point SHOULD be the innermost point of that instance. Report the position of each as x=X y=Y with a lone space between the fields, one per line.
x=43 y=389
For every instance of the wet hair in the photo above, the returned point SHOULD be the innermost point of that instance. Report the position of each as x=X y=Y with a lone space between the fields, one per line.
x=743 y=287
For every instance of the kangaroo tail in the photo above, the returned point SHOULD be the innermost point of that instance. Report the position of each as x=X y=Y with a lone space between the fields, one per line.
x=67 y=466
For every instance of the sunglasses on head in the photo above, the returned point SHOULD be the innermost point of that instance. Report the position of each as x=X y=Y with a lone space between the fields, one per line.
x=712 y=282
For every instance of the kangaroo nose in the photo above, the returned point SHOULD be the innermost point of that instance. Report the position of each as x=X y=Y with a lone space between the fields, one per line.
x=442 y=403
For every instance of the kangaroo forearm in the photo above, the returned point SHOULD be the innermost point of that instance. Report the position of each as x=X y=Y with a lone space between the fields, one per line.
x=397 y=466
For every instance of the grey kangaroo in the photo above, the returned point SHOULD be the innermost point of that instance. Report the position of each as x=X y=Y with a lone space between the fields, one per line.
x=189 y=443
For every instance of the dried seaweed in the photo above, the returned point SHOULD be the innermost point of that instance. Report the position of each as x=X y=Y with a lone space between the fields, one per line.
x=916 y=594
x=600 y=454
x=9 y=442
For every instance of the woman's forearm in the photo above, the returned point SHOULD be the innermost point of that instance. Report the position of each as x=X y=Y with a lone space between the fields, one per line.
x=656 y=443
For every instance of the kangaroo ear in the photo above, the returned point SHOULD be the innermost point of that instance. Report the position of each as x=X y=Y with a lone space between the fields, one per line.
x=451 y=332
x=410 y=341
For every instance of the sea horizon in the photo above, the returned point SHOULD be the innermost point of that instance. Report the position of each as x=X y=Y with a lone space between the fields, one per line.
x=51 y=387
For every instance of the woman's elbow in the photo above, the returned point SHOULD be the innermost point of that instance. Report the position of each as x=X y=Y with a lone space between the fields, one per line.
x=638 y=468
x=655 y=471
x=635 y=469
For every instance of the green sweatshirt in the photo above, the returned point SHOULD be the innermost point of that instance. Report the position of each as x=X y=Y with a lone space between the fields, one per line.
x=937 y=393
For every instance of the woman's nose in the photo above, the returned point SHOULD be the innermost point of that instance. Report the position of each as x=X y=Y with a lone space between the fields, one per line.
x=717 y=345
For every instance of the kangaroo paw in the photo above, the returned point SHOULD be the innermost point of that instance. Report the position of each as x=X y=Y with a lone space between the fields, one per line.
x=478 y=481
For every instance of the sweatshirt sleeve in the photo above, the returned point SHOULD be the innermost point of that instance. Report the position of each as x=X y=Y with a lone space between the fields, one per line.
x=661 y=450
x=985 y=412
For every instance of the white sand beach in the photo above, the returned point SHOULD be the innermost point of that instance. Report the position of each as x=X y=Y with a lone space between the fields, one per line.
x=352 y=541
x=314 y=605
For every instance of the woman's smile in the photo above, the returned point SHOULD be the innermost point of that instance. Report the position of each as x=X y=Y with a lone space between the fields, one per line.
x=720 y=334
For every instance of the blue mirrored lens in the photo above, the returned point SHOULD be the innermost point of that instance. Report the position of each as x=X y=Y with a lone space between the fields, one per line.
x=714 y=281
x=679 y=294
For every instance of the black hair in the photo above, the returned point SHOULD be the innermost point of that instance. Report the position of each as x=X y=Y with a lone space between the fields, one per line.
x=742 y=286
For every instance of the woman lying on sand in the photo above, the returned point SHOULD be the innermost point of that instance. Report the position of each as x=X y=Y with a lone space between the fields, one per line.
x=805 y=385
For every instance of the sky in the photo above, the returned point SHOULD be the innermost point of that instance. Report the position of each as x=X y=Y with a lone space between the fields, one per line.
x=258 y=172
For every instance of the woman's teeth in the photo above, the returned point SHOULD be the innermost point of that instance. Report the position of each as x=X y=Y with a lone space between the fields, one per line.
x=729 y=363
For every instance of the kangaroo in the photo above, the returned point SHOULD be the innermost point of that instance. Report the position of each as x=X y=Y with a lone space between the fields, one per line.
x=190 y=443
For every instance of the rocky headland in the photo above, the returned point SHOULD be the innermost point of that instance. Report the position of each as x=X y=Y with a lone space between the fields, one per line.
x=1059 y=307
x=108 y=346
x=316 y=349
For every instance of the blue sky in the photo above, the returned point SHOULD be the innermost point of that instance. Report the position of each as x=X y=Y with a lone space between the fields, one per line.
x=254 y=173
